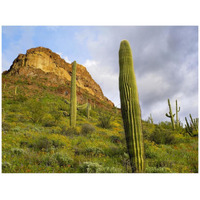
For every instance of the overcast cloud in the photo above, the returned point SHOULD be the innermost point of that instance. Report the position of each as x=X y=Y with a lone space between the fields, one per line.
x=165 y=62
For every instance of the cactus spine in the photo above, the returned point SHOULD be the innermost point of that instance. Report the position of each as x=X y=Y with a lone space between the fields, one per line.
x=73 y=98
x=171 y=115
x=177 y=110
x=130 y=108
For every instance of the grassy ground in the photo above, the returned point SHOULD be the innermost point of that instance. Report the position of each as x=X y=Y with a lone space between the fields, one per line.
x=36 y=137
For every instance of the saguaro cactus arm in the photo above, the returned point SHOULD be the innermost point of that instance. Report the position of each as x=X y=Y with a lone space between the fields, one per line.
x=130 y=108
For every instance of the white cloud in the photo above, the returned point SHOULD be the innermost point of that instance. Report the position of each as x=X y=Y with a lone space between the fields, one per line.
x=165 y=63
x=107 y=81
x=67 y=59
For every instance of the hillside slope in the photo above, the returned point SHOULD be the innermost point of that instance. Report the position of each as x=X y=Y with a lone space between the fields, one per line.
x=37 y=138
x=43 y=65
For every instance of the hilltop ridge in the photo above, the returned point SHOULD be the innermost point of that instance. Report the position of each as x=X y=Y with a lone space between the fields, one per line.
x=41 y=62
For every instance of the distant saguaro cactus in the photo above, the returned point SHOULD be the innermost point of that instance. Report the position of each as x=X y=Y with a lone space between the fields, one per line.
x=16 y=89
x=171 y=115
x=150 y=119
x=73 y=98
x=177 y=110
x=192 y=128
x=88 y=110
x=130 y=108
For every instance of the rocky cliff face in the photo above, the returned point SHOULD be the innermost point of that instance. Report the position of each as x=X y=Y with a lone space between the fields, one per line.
x=42 y=62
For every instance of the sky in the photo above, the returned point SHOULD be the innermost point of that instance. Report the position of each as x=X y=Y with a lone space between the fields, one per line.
x=165 y=60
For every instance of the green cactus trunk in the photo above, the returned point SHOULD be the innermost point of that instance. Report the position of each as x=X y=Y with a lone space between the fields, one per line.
x=177 y=110
x=88 y=110
x=171 y=115
x=16 y=90
x=130 y=108
x=73 y=98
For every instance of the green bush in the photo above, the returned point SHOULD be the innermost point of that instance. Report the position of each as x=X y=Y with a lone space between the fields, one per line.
x=149 y=151
x=115 y=139
x=93 y=167
x=63 y=159
x=163 y=136
x=71 y=131
x=20 y=98
x=48 y=120
x=48 y=160
x=109 y=170
x=17 y=151
x=114 y=151
x=44 y=144
x=34 y=110
x=105 y=120
x=5 y=126
x=93 y=151
x=157 y=170
x=90 y=167
x=6 y=165
x=87 y=129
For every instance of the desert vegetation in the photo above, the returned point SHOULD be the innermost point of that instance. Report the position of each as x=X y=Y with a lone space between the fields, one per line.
x=43 y=131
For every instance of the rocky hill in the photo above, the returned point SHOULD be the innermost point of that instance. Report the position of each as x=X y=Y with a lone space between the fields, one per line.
x=41 y=63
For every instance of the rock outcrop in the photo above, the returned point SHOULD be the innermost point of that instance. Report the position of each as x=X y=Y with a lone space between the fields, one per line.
x=43 y=62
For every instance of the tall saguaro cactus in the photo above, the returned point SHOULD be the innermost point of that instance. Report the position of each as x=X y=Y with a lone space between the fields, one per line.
x=73 y=98
x=130 y=108
x=171 y=115
x=177 y=110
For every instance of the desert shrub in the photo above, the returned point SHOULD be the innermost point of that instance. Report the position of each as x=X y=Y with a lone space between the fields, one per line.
x=6 y=165
x=93 y=167
x=87 y=129
x=163 y=136
x=114 y=151
x=147 y=133
x=105 y=120
x=115 y=139
x=71 y=131
x=43 y=144
x=14 y=107
x=48 y=120
x=109 y=170
x=48 y=160
x=90 y=167
x=102 y=133
x=54 y=112
x=165 y=125
x=17 y=151
x=34 y=110
x=20 y=98
x=149 y=151
x=94 y=151
x=58 y=143
x=63 y=159
x=5 y=126
x=157 y=170
x=93 y=114
x=23 y=143
x=56 y=130
x=125 y=159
